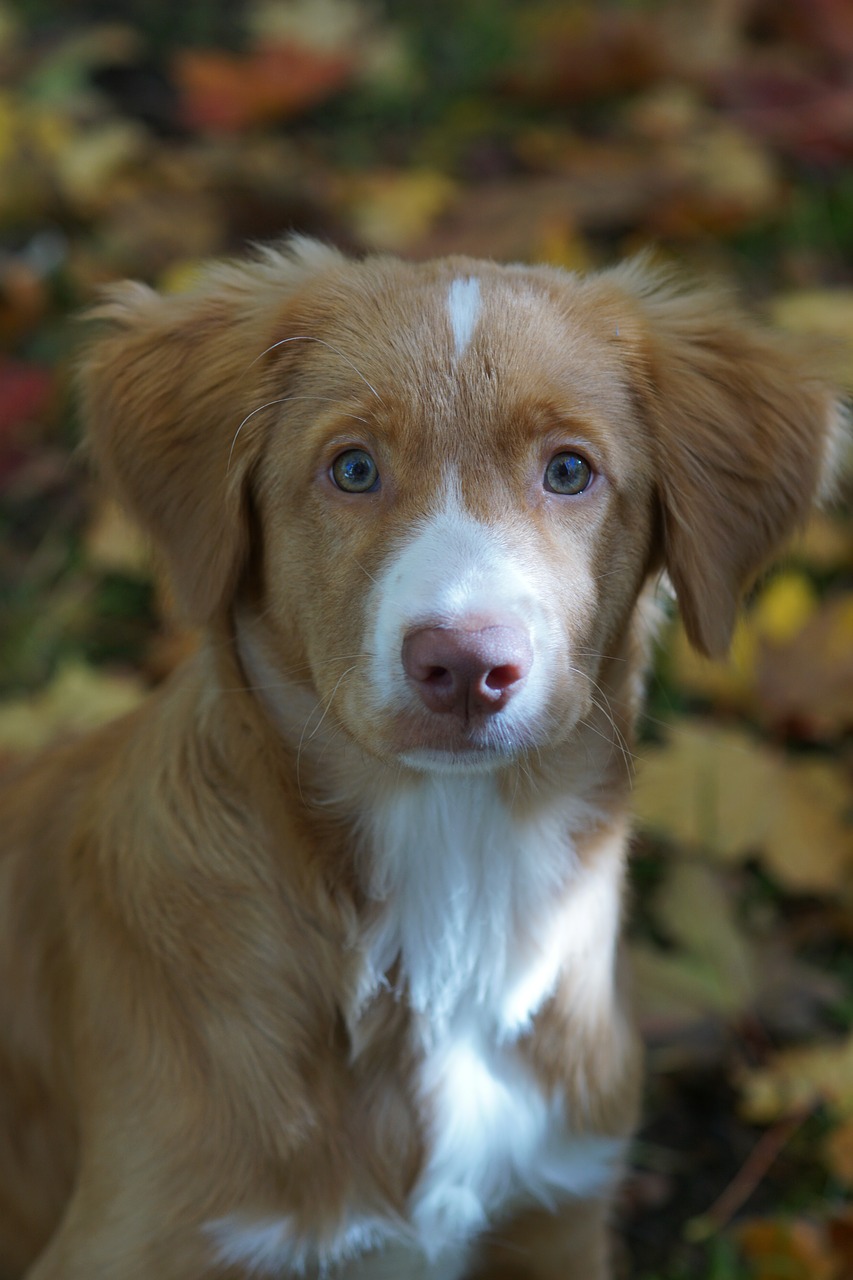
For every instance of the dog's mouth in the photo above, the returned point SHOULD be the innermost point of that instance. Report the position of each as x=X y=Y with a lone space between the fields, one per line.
x=470 y=760
x=448 y=743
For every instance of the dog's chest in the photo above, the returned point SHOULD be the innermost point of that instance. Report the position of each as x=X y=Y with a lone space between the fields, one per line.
x=477 y=923
x=471 y=929
x=496 y=1140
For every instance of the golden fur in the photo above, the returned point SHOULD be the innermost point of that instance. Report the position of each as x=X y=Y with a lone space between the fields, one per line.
x=183 y=901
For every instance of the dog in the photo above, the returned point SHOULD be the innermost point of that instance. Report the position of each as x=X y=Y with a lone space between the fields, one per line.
x=310 y=966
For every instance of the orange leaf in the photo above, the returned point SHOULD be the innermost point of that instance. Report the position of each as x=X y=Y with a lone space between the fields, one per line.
x=787 y=1251
x=229 y=93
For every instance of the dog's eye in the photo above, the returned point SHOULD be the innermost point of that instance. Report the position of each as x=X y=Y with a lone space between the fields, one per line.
x=355 y=471
x=567 y=473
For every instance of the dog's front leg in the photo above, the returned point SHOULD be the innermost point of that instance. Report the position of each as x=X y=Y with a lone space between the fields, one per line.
x=570 y=1244
x=96 y=1241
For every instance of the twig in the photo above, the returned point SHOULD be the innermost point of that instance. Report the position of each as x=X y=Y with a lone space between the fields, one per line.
x=743 y=1184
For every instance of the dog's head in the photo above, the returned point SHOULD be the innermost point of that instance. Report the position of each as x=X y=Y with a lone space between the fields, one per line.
x=444 y=485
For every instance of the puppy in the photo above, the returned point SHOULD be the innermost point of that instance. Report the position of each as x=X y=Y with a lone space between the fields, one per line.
x=309 y=967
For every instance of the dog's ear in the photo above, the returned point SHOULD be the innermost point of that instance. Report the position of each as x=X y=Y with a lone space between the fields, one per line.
x=746 y=435
x=164 y=393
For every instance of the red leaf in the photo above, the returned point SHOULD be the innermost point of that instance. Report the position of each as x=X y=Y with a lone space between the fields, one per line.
x=25 y=394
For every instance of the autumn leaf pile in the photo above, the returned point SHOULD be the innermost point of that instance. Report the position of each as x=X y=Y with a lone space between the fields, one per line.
x=719 y=131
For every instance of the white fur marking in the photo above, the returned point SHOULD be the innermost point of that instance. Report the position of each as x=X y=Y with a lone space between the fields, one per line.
x=462 y=877
x=452 y=567
x=270 y=1246
x=463 y=304
x=498 y=1140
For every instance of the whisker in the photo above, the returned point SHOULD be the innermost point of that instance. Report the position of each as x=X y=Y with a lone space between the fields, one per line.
x=307 y=337
x=316 y=728
x=364 y=571
x=282 y=400
x=289 y=671
x=618 y=740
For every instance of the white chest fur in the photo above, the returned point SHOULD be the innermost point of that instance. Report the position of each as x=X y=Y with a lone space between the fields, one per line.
x=467 y=892
x=480 y=912
x=483 y=910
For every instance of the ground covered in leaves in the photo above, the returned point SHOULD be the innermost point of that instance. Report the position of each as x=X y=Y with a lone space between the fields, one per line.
x=139 y=139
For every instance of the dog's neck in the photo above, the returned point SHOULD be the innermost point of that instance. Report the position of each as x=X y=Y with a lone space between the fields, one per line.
x=466 y=879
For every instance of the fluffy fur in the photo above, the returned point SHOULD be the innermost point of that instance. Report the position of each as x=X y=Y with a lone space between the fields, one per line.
x=299 y=975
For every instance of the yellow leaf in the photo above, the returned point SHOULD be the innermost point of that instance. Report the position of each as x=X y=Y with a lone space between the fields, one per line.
x=393 y=210
x=89 y=166
x=114 y=542
x=825 y=313
x=797 y=1079
x=784 y=607
x=695 y=912
x=728 y=683
x=78 y=698
x=719 y=790
x=825 y=544
x=560 y=245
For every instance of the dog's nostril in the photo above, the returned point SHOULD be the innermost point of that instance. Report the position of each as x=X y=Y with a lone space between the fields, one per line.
x=500 y=678
x=467 y=671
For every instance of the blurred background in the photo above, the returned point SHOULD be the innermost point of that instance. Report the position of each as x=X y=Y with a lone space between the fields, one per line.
x=142 y=137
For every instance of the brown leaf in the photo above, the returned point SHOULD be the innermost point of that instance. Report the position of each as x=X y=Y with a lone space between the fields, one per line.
x=576 y=53
x=229 y=93
x=609 y=189
x=806 y=682
x=839 y=1151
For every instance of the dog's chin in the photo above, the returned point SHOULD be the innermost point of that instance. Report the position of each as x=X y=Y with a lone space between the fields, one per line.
x=445 y=760
x=442 y=745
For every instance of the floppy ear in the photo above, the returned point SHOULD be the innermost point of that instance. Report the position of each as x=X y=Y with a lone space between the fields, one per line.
x=164 y=393
x=745 y=432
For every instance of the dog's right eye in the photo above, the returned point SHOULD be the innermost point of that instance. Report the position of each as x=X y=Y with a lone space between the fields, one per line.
x=355 y=471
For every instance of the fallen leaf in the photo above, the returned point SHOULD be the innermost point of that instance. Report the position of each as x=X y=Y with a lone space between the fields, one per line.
x=78 y=698
x=695 y=912
x=392 y=211
x=805 y=681
x=823 y=313
x=114 y=542
x=838 y=1150
x=89 y=166
x=826 y=543
x=779 y=1250
x=841 y=1240
x=720 y=180
x=783 y=608
x=25 y=393
x=230 y=93
x=719 y=790
x=727 y=683
x=607 y=189
x=576 y=53
x=799 y=1079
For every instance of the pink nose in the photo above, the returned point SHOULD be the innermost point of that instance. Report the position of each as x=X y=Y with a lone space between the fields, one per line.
x=467 y=672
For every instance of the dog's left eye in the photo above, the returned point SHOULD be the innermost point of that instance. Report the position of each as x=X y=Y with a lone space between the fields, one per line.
x=568 y=473
x=355 y=471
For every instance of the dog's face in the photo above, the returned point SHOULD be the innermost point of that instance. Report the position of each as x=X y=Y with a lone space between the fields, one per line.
x=445 y=485
x=456 y=515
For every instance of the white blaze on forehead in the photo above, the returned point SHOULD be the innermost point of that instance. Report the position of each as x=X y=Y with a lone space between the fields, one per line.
x=463 y=305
